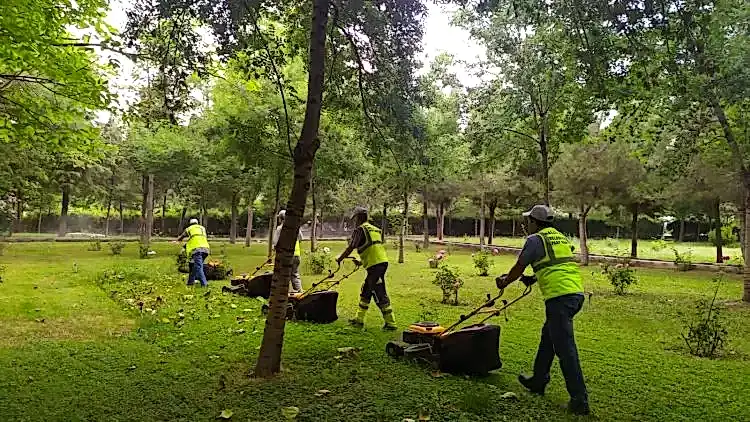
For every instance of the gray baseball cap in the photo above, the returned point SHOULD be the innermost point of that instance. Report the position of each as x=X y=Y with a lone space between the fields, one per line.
x=540 y=213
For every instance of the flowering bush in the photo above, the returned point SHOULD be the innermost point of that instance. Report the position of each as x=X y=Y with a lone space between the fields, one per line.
x=620 y=275
x=447 y=278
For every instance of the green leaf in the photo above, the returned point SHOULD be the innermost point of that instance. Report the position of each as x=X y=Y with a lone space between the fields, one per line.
x=226 y=414
x=290 y=412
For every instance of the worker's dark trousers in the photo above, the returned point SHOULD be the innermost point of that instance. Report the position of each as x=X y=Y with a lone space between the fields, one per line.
x=558 y=339
x=196 y=272
x=374 y=288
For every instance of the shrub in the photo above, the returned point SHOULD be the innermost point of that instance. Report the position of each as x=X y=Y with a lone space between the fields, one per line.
x=447 y=278
x=483 y=263
x=3 y=246
x=728 y=238
x=319 y=261
x=116 y=247
x=418 y=246
x=705 y=333
x=427 y=312
x=620 y=275
x=659 y=245
x=143 y=251
x=2 y=272
x=684 y=261
x=95 y=246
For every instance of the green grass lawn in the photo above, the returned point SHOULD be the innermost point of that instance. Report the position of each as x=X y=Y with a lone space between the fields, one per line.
x=702 y=252
x=74 y=347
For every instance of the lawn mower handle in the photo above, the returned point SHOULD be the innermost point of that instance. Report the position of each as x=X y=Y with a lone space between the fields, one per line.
x=331 y=274
x=266 y=262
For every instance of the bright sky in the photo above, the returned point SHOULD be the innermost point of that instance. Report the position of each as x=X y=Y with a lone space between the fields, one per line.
x=439 y=36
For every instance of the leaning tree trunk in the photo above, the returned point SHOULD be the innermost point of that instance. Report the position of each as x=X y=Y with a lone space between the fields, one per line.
x=402 y=233
x=441 y=221
x=149 y=223
x=272 y=218
x=634 y=232
x=63 y=226
x=481 y=222
x=249 y=231
x=233 y=223
x=269 y=358
x=545 y=159
x=583 y=236
x=425 y=226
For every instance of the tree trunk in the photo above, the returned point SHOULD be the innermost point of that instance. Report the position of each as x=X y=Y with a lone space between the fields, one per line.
x=144 y=205
x=249 y=231
x=425 y=226
x=402 y=233
x=481 y=221
x=384 y=221
x=149 y=224
x=681 y=237
x=106 y=219
x=741 y=218
x=545 y=159
x=39 y=222
x=233 y=222
x=163 y=225
x=583 y=236
x=181 y=223
x=19 y=215
x=441 y=221
x=514 y=228
x=634 y=232
x=269 y=358
x=491 y=233
x=342 y=223
x=719 y=240
x=314 y=228
x=63 y=226
x=122 y=219
x=746 y=247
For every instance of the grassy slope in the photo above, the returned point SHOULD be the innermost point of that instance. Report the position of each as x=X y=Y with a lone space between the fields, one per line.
x=94 y=358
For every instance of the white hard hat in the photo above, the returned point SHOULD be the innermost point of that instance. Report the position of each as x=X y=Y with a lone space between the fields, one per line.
x=193 y=221
x=281 y=214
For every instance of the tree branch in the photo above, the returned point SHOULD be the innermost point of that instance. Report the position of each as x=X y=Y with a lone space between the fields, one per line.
x=520 y=133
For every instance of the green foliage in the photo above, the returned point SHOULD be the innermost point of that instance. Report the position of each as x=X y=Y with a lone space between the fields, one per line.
x=182 y=261
x=659 y=245
x=143 y=250
x=95 y=246
x=3 y=268
x=483 y=262
x=683 y=260
x=705 y=332
x=728 y=238
x=620 y=275
x=116 y=247
x=449 y=281
x=3 y=247
x=319 y=261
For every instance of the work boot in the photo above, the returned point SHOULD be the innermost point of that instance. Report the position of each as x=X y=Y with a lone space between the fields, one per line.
x=389 y=327
x=579 y=407
x=356 y=323
x=532 y=384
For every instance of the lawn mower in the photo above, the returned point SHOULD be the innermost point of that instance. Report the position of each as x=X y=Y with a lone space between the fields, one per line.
x=252 y=285
x=318 y=303
x=472 y=350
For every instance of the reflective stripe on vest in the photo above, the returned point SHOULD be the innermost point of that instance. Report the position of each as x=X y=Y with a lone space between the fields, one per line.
x=297 y=249
x=373 y=251
x=557 y=272
x=196 y=238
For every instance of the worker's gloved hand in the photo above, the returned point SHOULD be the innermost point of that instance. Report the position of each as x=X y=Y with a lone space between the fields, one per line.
x=356 y=262
x=500 y=282
x=528 y=280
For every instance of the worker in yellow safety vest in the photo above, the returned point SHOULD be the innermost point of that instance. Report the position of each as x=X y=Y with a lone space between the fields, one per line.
x=197 y=250
x=296 y=280
x=368 y=241
x=550 y=255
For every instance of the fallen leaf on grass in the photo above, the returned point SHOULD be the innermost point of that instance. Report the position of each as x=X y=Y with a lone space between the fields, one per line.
x=290 y=412
x=423 y=416
x=213 y=357
x=165 y=320
x=226 y=414
x=322 y=393
x=247 y=310
x=240 y=331
x=40 y=320
x=438 y=374
x=233 y=306
x=509 y=396
x=409 y=420
x=132 y=367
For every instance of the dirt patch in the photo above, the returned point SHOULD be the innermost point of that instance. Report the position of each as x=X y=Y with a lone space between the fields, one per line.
x=21 y=331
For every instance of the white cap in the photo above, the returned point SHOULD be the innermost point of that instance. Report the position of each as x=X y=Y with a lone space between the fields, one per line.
x=281 y=214
x=540 y=213
x=193 y=221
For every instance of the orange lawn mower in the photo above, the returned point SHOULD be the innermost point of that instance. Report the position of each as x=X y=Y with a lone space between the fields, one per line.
x=318 y=303
x=471 y=350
